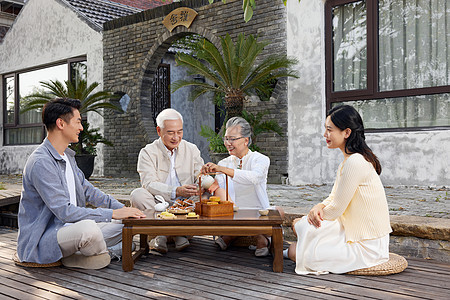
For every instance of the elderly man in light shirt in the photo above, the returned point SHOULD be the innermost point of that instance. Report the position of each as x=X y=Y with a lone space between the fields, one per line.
x=167 y=167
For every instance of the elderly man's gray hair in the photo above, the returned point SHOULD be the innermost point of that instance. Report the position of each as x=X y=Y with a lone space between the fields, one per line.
x=168 y=114
x=246 y=129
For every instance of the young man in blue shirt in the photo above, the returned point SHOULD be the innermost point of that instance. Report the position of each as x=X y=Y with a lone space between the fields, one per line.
x=54 y=222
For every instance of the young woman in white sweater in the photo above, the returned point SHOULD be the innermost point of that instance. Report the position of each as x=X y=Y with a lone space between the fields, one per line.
x=350 y=229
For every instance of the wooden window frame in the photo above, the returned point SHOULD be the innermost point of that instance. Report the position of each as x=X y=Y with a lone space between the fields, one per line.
x=372 y=92
x=16 y=74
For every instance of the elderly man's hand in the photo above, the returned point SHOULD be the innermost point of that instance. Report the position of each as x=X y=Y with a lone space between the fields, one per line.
x=187 y=190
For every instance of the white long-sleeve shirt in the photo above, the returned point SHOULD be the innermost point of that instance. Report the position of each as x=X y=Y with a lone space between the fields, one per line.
x=172 y=179
x=248 y=187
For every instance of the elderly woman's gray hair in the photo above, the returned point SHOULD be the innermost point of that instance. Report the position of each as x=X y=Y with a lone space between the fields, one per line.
x=246 y=129
x=168 y=114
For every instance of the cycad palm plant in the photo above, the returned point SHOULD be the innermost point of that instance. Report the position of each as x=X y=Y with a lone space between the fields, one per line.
x=234 y=72
x=90 y=101
x=78 y=89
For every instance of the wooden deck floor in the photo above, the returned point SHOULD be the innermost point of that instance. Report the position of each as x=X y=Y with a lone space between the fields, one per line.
x=204 y=272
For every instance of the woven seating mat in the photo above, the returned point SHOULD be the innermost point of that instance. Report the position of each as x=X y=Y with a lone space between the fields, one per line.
x=395 y=264
x=17 y=261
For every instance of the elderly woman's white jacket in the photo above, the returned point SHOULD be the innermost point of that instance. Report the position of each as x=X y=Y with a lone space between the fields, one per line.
x=248 y=187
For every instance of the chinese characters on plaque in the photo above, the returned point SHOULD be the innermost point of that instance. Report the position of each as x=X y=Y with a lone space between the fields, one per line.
x=180 y=16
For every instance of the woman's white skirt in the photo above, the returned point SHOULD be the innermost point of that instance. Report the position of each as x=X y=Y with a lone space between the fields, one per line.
x=324 y=249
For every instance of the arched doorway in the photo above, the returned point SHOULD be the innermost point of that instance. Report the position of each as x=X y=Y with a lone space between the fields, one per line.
x=156 y=96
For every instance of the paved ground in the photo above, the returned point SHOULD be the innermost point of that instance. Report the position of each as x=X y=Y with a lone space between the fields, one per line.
x=403 y=200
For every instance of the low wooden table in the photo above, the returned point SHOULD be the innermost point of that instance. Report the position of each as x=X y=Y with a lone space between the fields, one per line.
x=242 y=223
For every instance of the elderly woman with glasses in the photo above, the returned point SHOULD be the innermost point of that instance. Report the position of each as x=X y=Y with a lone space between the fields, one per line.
x=248 y=177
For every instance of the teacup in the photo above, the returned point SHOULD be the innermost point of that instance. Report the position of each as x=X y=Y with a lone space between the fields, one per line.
x=263 y=212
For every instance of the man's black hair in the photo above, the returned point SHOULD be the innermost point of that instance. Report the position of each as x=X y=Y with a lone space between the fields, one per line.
x=59 y=108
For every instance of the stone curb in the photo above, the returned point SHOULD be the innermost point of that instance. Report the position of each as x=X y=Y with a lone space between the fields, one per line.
x=420 y=227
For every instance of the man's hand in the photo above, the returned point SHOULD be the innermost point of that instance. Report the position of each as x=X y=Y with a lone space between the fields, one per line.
x=315 y=215
x=127 y=212
x=187 y=190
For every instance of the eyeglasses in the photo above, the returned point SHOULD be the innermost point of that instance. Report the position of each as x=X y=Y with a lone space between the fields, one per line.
x=231 y=140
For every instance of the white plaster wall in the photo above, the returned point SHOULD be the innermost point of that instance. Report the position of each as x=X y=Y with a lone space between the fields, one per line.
x=47 y=31
x=408 y=158
x=306 y=95
x=413 y=158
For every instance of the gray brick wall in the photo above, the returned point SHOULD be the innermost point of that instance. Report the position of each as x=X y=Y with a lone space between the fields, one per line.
x=133 y=48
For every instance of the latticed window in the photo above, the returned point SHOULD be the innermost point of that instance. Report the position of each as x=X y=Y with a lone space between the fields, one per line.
x=390 y=60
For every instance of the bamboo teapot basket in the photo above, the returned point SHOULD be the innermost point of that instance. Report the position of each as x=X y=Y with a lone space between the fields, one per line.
x=224 y=208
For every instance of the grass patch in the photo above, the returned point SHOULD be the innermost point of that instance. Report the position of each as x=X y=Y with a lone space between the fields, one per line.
x=442 y=197
x=2 y=187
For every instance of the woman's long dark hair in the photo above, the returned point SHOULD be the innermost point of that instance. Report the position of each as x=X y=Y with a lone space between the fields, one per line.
x=345 y=116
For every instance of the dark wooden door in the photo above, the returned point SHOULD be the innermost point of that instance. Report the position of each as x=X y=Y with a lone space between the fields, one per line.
x=160 y=98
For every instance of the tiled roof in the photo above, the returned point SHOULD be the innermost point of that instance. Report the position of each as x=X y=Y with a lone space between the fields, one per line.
x=101 y=11
x=145 y=4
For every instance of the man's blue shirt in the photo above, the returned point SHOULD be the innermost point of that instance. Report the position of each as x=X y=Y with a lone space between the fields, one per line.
x=45 y=204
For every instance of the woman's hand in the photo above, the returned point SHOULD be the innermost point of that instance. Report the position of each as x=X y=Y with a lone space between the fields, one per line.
x=315 y=215
x=210 y=168
x=213 y=168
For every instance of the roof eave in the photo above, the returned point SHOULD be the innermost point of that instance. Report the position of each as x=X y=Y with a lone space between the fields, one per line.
x=82 y=16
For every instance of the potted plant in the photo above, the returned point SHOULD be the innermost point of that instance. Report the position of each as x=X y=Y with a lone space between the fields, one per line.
x=90 y=101
x=86 y=148
x=218 y=151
